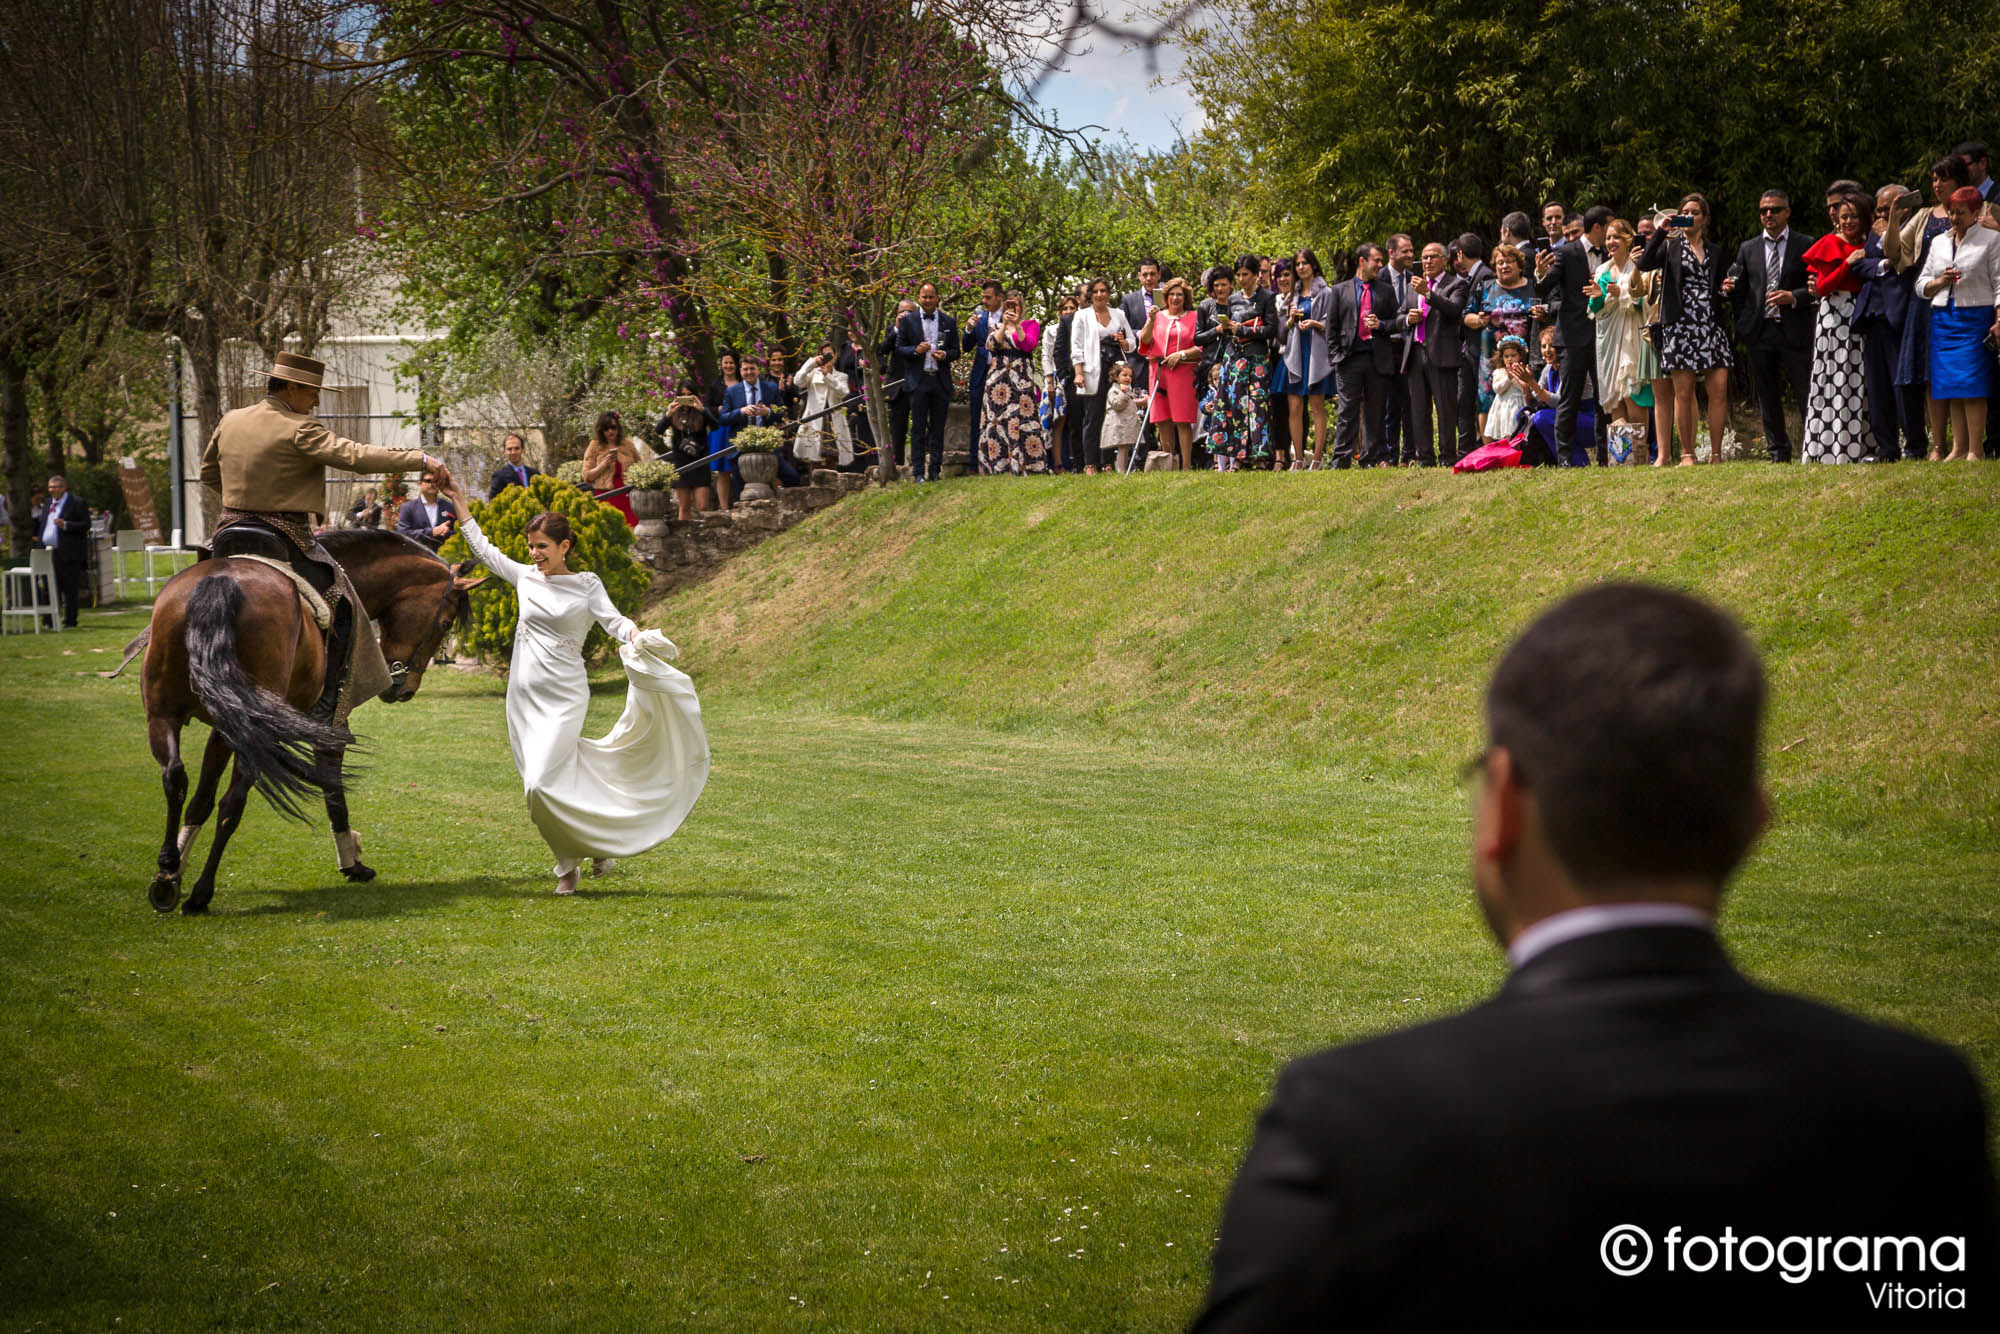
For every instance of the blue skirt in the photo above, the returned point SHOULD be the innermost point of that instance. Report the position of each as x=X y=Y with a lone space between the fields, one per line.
x=719 y=439
x=1961 y=365
x=1282 y=383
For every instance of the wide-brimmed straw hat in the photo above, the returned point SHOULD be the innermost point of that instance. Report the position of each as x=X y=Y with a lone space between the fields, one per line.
x=297 y=369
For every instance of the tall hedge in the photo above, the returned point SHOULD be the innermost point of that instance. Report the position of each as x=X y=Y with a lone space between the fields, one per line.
x=603 y=547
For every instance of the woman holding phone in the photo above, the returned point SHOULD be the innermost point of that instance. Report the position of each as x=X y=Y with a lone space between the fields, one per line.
x=1694 y=323
x=1960 y=278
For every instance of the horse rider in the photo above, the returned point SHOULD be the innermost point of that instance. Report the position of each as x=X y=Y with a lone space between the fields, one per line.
x=269 y=462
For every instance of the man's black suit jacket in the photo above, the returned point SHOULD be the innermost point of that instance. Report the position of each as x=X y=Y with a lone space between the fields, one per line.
x=1463 y=1174
x=504 y=477
x=1443 y=321
x=1343 y=325
x=1565 y=289
x=73 y=538
x=1795 y=325
x=910 y=336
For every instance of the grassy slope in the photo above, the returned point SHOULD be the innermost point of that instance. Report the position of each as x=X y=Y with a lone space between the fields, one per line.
x=1351 y=620
x=1019 y=953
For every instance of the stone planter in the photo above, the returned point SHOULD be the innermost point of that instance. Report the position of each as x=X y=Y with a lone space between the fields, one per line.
x=759 y=470
x=653 y=504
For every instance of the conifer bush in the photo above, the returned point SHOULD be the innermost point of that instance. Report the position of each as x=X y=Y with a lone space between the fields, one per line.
x=603 y=547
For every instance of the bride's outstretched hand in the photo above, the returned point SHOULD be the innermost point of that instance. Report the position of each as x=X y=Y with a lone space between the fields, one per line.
x=657 y=644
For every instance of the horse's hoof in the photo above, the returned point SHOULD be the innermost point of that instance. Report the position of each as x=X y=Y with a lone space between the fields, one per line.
x=360 y=873
x=195 y=907
x=164 y=893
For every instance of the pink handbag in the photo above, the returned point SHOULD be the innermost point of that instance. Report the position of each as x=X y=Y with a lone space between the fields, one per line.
x=1499 y=454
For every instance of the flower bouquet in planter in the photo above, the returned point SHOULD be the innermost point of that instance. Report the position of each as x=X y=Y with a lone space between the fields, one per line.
x=651 y=480
x=757 y=460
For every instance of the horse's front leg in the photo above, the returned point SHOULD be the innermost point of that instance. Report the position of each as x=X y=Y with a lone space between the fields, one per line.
x=228 y=816
x=164 y=735
x=346 y=842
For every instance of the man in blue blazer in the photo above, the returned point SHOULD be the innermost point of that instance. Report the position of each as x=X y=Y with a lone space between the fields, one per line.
x=755 y=400
x=927 y=341
x=984 y=321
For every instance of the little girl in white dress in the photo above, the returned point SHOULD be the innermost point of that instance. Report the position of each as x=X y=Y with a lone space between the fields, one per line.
x=630 y=790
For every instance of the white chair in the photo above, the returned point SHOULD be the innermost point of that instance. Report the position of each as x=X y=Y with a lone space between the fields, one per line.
x=131 y=543
x=171 y=554
x=31 y=592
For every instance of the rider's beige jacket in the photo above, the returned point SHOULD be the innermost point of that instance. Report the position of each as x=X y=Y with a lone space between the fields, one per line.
x=267 y=458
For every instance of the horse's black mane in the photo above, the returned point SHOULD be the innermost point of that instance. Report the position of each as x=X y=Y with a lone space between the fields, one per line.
x=345 y=543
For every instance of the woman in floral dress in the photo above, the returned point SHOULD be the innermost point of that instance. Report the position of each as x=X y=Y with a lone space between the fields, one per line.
x=1238 y=407
x=1011 y=438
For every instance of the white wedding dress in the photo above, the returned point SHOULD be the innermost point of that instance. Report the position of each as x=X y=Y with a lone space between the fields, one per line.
x=631 y=789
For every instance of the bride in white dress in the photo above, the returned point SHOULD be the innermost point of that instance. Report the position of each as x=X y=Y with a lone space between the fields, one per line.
x=628 y=791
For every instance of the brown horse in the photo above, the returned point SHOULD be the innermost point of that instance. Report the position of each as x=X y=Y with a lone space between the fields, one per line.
x=230 y=644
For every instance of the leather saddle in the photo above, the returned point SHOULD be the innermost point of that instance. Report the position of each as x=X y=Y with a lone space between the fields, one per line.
x=253 y=537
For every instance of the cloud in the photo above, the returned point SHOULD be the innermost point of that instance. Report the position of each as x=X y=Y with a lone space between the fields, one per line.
x=1112 y=83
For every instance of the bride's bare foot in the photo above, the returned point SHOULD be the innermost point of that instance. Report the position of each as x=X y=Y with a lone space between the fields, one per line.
x=566 y=882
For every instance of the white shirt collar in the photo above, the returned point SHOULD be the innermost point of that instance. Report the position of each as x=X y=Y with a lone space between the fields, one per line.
x=1779 y=239
x=1596 y=918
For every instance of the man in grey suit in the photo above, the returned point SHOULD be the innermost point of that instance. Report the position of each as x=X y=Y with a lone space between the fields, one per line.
x=1139 y=307
x=1434 y=311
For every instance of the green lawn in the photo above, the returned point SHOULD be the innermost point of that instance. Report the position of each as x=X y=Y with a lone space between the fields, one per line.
x=953 y=1003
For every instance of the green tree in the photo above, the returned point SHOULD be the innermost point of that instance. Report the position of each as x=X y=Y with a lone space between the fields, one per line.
x=1440 y=117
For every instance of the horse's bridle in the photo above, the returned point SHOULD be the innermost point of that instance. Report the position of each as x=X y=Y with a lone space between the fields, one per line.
x=399 y=670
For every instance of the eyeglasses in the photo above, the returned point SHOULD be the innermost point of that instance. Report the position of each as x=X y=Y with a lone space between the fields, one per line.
x=1774 y=208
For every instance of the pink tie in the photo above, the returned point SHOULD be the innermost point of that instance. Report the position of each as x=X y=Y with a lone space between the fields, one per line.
x=1367 y=304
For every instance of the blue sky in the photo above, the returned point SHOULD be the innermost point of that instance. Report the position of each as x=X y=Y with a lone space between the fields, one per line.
x=1106 y=83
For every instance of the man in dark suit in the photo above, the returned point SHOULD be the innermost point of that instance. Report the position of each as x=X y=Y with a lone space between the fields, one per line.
x=1360 y=330
x=983 y=322
x=1434 y=313
x=894 y=388
x=1774 y=316
x=1565 y=282
x=1468 y=261
x=1399 y=268
x=927 y=341
x=1584 y=1149
x=1895 y=411
x=429 y=518
x=64 y=528
x=516 y=471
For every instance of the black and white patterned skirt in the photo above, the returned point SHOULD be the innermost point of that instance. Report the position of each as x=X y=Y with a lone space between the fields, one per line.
x=1837 y=403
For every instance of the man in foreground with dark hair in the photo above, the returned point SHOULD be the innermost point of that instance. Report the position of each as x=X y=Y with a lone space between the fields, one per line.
x=1630 y=1132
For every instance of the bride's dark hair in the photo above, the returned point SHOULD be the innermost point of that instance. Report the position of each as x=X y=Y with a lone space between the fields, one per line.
x=552 y=526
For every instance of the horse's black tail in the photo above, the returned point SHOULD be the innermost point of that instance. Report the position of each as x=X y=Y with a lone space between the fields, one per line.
x=273 y=741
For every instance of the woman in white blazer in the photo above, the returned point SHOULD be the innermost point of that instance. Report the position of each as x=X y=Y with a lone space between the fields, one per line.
x=1960 y=278
x=1099 y=337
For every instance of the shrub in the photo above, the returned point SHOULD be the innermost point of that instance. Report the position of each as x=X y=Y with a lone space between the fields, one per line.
x=759 y=440
x=603 y=546
x=571 y=472
x=652 y=475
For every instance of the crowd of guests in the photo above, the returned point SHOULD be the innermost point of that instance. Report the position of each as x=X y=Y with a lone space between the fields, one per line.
x=1575 y=338
x=1579 y=338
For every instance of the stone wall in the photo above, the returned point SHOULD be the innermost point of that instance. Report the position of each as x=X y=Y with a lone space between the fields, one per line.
x=682 y=552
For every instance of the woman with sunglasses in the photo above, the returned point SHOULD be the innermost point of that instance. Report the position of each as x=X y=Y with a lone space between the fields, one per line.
x=610 y=453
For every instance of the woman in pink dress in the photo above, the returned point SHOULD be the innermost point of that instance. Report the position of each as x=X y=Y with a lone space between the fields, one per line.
x=1168 y=342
